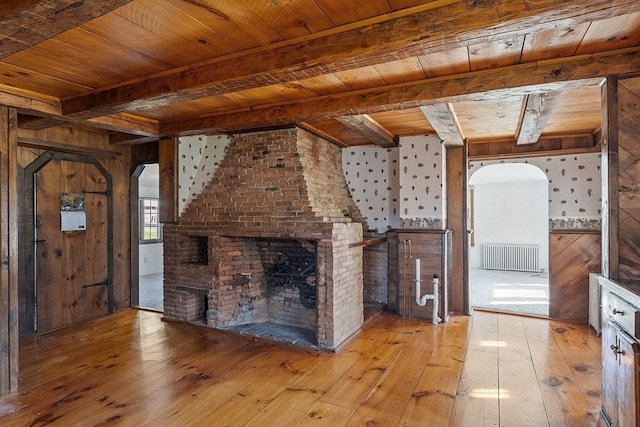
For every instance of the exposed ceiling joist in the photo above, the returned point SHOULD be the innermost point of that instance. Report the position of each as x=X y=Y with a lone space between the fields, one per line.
x=25 y=23
x=314 y=130
x=444 y=121
x=370 y=129
x=38 y=123
x=548 y=76
x=535 y=115
x=400 y=37
x=117 y=138
x=122 y=122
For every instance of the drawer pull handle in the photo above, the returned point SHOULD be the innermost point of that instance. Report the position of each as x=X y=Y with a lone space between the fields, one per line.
x=616 y=311
x=616 y=349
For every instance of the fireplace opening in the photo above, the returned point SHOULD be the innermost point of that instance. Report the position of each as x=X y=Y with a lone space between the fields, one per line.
x=270 y=286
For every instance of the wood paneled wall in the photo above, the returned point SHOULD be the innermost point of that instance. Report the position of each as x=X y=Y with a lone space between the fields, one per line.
x=572 y=256
x=456 y=215
x=621 y=151
x=9 y=251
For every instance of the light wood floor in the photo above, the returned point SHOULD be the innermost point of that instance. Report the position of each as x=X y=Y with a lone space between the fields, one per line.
x=133 y=369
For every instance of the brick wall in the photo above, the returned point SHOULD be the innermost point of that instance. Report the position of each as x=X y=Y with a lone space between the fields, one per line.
x=272 y=185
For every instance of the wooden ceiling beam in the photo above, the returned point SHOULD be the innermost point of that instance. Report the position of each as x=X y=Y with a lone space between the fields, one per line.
x=542 y=147
x=444 y=121
x=370 y=129
x=547 y=76
x=122 y=122
x=25 y=23
x=119 y=138
x=38 y=123
x=315 y=131
x=437 y=26
x=535 y=115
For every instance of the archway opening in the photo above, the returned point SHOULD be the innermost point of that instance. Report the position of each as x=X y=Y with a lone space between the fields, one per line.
x=509 y=247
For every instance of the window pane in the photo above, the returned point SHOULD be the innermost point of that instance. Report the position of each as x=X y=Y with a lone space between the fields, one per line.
x=149 y=225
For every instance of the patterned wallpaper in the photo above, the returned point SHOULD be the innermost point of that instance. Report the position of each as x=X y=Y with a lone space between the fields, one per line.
x=404 y=187
x=372 y=177
x=199 y=157
x=422 y=191
x=400 y=187
x=575 y=201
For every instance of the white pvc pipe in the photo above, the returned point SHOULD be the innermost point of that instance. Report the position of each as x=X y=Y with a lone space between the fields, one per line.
x=422 y=300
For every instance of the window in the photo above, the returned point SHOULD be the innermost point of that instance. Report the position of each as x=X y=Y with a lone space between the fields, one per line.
x=150 y=228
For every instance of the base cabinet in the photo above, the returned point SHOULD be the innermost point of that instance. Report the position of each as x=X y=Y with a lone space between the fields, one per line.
x=620 y=361
x=620 y=366
x=420 y=254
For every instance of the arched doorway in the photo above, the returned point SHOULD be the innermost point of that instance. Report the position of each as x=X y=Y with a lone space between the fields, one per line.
x=509 y=249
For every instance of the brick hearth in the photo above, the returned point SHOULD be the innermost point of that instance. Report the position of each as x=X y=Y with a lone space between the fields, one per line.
x=274 y=237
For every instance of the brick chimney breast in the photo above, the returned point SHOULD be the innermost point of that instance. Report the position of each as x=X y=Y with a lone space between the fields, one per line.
x=281 y=191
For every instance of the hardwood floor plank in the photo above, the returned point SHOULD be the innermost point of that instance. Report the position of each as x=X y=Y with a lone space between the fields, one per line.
x=352 y=387
x=520 y=397
x=564 y=402
x=326 y=415
x=477 y=393
x=584 y=362
x=386 y=402
x=248 y=402
x=131 y=368
x=434 y=395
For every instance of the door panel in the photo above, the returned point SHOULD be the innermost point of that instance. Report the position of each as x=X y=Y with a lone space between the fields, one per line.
x=48 y=257
x=71 y=266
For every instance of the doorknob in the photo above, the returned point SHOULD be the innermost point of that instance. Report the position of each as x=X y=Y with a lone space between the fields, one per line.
x=40 y=241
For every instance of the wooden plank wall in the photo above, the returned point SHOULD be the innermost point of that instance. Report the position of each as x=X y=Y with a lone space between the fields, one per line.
x=572 y=256
x=456 y=215
x=628 y=178
x=8 y=251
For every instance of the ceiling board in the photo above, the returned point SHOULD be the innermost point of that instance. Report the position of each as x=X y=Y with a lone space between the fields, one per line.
x=576 y=112
x=344 y=12
x=495 y=54
x=400 y=71
x=489 y=119
x=613 y=33
x=202 y=65
x=448 y=62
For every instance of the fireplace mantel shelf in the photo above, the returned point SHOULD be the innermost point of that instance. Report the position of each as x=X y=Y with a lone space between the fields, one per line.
x=369 y=241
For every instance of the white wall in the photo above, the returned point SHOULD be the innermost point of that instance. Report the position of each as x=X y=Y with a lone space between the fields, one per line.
x=511 y=213
x=372 y=177
x=575 y=182
x=150 y=261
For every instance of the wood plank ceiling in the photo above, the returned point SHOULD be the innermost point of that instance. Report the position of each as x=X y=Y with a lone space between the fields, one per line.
x=501 y=75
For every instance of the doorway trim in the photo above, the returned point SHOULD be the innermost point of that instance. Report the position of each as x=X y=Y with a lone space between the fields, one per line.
x=29 y=194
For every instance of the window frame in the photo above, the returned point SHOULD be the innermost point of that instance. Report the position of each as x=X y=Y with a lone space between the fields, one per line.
x=151 y=225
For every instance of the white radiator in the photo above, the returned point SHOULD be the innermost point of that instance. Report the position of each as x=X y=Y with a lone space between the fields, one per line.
x=511 y=257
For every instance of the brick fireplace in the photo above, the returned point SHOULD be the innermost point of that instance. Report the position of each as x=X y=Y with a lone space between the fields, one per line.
x=274 y=238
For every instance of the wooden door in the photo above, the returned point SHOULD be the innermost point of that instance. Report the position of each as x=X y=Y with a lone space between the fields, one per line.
x=71 y=267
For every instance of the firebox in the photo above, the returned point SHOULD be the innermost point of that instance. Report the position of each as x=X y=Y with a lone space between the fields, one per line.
x=264 y=280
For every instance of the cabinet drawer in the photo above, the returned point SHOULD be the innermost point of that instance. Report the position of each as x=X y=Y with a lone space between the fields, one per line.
x=623 y=313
